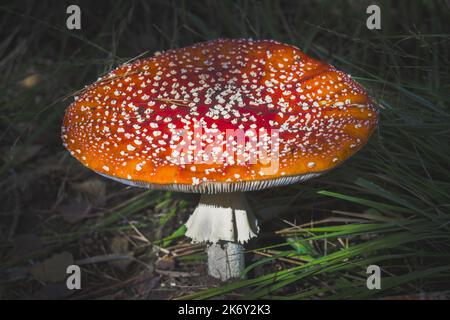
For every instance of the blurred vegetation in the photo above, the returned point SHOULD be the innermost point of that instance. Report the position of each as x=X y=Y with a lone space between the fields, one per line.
x=388 y=205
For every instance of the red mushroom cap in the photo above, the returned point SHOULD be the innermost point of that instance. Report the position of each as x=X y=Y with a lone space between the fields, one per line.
x=231 y=102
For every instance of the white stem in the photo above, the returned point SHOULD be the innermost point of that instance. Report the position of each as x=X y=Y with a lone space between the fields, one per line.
x=225 y=261
x=228 y=219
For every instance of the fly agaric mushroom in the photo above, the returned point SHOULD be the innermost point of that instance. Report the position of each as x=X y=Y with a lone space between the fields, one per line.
x=220 y=118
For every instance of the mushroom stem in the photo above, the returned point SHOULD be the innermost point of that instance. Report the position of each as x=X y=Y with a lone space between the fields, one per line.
x=225 y=221
x=225 y=261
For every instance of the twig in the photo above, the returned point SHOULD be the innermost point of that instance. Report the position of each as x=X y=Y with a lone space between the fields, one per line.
x=178 y=274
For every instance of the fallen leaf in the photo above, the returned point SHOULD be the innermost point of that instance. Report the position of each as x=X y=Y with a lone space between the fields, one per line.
x=165 y=263
x=145 y=283
x=75 y=210
x=21 y=153
x=53 y=269
x=94 y=189
x=120 y=245
x=30 y=81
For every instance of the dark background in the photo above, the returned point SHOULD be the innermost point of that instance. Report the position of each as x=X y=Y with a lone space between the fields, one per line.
x=388 y=205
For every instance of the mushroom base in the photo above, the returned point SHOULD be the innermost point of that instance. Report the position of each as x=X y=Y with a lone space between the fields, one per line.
x=225 y=261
